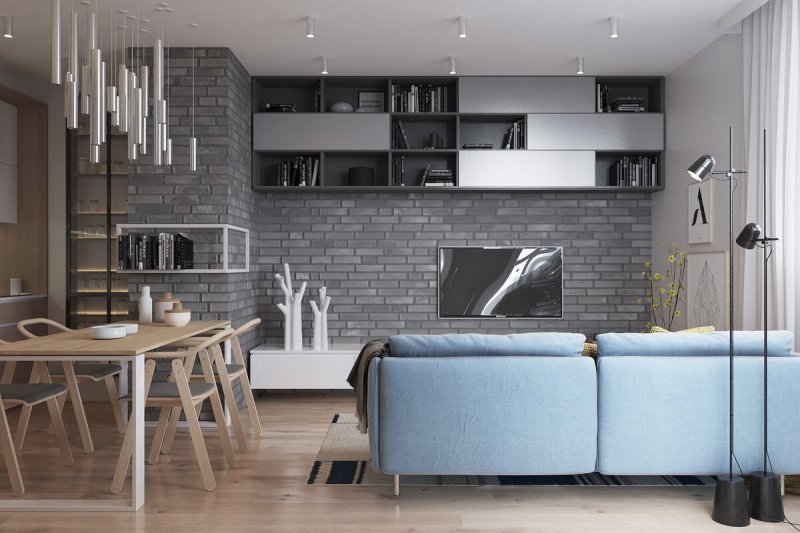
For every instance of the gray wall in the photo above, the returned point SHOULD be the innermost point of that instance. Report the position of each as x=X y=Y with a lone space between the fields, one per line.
x=704 y=98
x=376 y=253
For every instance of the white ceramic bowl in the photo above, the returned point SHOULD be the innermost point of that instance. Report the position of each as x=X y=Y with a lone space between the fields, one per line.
x=105 y=333
x=131 y=329
x=178 y=318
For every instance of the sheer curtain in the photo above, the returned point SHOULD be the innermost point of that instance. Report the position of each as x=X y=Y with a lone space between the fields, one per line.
x=771 y=37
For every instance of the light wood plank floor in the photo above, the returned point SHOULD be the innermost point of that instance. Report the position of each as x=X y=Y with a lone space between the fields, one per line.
x=267 y=491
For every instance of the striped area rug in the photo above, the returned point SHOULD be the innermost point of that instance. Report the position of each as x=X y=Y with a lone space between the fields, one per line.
x=343 y=459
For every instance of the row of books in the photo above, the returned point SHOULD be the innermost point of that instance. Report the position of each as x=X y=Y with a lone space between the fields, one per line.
x=634 y=171
x=420 y=99
x=164 y=251
x=515 y=136
x=398 y=178
x=619 y=104
x=437 y=177
x=298 y=172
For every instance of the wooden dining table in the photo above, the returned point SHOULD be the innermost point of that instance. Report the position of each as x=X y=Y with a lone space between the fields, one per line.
x=79 y=346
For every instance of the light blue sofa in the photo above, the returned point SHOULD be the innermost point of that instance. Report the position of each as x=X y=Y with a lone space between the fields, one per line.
x=663 y=403
x=656 y=404
x=483 y=404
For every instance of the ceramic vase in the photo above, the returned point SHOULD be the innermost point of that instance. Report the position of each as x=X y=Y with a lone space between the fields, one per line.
x=145 y=306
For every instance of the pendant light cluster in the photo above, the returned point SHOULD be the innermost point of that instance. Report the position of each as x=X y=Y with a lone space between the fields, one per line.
x=122 y=89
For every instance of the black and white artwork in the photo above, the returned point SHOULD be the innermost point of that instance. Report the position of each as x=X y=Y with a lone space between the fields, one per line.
x=706 y=290
x=500 y=282
x=700 y=212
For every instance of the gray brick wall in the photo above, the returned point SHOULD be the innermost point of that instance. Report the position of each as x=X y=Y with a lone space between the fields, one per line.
x=376 y=253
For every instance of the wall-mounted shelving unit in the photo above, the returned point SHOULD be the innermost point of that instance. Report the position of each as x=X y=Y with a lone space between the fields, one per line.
x=214 y=246
x=565 y=139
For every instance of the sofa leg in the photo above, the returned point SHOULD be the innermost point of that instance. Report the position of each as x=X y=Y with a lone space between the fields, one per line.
x=396 y=488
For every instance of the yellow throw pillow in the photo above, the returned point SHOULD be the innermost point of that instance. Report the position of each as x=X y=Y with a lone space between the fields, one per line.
x=589 y=349
x=699 y=329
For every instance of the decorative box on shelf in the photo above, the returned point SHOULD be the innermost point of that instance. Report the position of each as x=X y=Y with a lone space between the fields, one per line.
x=272 y=367
x=163 y=258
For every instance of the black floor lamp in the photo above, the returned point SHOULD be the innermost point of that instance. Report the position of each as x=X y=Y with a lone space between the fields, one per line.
x=730 y=496
x=765 y=501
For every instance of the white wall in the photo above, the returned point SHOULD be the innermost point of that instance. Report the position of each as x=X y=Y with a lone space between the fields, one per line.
x=57 y=182
x=703 y=98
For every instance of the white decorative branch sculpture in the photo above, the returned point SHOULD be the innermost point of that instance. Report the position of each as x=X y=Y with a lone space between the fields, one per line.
x=297 y=318
x=292 y=310
x=317 y=326
x=321 y=320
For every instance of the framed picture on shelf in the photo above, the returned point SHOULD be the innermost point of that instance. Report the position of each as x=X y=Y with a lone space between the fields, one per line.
x=371 y=101
x=707 y=290
x=699 y=213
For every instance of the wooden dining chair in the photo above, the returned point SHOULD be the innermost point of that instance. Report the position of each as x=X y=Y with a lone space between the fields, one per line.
x=177 y=395
x=73 y=375
x=226 y=374
x=30 y=395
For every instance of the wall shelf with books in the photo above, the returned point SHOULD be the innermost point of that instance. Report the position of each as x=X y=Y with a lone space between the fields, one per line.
x=492 y=132
x=424 y=132
x=629 y=170
x=425 y=170
x=182 y=249
x=287 y=169
x=623 y=94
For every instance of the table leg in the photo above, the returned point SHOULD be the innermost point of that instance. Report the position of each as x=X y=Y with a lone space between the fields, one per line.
x=139 y=396
x=122 y=387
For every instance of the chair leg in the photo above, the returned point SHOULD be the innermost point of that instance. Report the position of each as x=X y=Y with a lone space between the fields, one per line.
x=77 y=407
x=194 y=426
x=8 y=372
x=111 y=388
x=230 y=400
x=61 y=432
x=255 y=422
x=219 y=412
x=158 y=438
x=126 y=451
x=62 y=400
x=172 y=427
x=39 y=374
x=9 y=455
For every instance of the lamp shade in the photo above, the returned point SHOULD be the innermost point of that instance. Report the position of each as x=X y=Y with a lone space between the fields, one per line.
x=749 y=236
x=701 y=168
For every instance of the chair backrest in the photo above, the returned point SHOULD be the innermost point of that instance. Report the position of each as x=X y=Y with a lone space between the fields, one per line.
x=219 y=338
x=22 y=325
x=246 y=327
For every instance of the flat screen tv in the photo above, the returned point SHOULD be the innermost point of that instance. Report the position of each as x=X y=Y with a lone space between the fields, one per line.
x=500 y=282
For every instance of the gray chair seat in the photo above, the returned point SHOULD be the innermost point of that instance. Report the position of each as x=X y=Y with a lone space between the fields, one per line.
x=233 y=370
x=166 y=389
x=95 y=372
x=31 y=393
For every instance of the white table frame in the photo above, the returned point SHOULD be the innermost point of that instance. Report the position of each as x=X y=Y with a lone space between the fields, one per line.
x=137 y=478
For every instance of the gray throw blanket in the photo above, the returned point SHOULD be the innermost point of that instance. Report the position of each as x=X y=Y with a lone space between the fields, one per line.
x=359 y=377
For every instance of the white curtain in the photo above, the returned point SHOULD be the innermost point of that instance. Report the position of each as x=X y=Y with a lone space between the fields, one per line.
x=771 y=37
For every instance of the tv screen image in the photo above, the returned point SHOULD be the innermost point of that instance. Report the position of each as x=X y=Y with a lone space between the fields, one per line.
x=500 y=282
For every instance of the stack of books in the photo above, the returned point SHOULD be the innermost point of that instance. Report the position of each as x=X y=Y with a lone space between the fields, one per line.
x=165 y=251
x=279 y=108
x=398 y=172
x=634 y=171
x=298 y=172
x=628 y=104
x=420 y=99
x=438 y=177
x=515 y=136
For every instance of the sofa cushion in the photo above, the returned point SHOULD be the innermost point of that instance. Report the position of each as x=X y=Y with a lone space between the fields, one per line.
x=476 y=345
x=746 y=343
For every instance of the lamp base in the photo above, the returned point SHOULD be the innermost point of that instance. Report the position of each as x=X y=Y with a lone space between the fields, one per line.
x=730 y=502
x=765 y=502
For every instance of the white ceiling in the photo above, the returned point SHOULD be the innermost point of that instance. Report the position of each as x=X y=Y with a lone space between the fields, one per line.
x=409 y=37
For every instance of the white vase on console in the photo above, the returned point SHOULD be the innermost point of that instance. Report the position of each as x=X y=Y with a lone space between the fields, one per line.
x=145 y=306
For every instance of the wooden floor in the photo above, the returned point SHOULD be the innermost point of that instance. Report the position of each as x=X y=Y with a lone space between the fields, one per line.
x=267 y=491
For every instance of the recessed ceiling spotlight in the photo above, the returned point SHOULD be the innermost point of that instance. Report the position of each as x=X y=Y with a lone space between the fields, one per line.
x=168 y=10
x=122 y=11
x=462 y=27
x=580 y=65
x=310 y=27
x=324 y=69
x=452 y=64
x=614 y=27
x=144 y=21
x=163 y=4
x=8 y=29
x=194 y=25
x=85 y=3
x=144 y=30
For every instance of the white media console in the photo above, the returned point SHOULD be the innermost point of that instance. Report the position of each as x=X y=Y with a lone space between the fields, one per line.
x=273 y=368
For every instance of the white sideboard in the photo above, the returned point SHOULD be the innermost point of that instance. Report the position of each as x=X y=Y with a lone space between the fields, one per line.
x=273 y=368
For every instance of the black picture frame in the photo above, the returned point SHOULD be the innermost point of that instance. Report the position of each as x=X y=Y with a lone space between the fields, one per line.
x=372 y=101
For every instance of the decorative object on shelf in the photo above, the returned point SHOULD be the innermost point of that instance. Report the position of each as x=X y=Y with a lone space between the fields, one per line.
x=297 y=318
x=700 y=211
x=341 y=107
x=292 y=310
x=361 y=176
x=15 y=288
x=163 y=304
x=178 y=316
x=131 y=329
x=145 y=306
x=730 y=496
x=666 y=290
x=371 y=101
x=321 y=320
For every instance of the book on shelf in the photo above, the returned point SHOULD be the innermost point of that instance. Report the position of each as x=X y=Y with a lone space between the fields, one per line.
x=433 y=177
x=279 y=108
x=477 y=146
x=400 y=138
x=399 y=172
x=634 y=171
x=300 y=171
x=162 y=251
x=515 y=136
x=419 y=98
